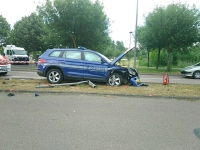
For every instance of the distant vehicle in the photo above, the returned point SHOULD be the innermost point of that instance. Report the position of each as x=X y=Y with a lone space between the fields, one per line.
x=5 y=66
x=83 y=64
x=191 y=71
x=17 y=54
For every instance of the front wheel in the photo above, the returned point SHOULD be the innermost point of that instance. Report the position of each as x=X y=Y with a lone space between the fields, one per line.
x=115 y=79
x=54 y=76
x=196 y=75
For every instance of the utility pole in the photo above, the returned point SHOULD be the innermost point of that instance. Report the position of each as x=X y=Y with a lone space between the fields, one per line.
x=129 y=47
x=130 y=39
x=136 y=35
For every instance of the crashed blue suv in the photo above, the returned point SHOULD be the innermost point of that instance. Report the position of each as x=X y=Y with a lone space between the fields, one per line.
x=82 y=64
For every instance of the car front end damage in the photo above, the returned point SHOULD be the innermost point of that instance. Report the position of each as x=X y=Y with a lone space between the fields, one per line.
x=122 y=76
x=122 y=73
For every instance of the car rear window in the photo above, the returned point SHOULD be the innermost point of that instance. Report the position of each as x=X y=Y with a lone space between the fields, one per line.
x=55 y=54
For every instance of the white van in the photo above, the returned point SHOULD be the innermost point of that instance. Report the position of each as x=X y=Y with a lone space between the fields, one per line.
x=16 y=54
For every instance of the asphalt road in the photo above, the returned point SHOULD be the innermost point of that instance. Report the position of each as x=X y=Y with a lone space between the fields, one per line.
x=89 y=122
x=29 y=71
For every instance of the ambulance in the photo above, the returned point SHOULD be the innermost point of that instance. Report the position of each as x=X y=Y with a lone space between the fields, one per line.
x=16 y=54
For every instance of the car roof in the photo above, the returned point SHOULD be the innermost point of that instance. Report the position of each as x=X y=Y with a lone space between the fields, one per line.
x=64 y=49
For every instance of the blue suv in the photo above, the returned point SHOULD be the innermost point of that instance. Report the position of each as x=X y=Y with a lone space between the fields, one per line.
x=83 y=64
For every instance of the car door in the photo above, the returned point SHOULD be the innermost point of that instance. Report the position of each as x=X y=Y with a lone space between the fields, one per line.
x=9 y=54
x=94 y=67
x=73 y=64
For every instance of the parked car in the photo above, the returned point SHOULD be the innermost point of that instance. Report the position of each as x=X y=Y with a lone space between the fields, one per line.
x=5 y=65
x=191 y=71
x=83 y=64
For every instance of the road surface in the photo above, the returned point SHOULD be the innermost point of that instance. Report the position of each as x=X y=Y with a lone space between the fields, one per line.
x=144 y=78
x=89 y=122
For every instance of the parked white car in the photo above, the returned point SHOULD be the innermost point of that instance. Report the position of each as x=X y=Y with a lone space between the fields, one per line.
x=191 y=71
x=5 y=65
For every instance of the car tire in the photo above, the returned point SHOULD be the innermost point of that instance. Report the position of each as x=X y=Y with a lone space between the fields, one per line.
x=54 y=76
x=115 y=79
x=196 y=75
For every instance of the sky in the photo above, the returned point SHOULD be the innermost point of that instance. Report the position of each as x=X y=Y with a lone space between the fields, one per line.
x=121 y=13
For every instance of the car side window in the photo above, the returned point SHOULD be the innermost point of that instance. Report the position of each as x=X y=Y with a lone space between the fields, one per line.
x=92 y=57
x=72 y=55
x=55 y=54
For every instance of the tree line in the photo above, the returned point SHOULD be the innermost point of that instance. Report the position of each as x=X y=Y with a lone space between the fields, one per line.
x=61 y=24
x=169 y=32
x=172 y=30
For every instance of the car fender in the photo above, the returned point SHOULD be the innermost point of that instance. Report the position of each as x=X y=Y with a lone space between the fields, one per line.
x=49 y=67
x=118 y=70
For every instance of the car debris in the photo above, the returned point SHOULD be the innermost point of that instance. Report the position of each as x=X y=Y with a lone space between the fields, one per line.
x=11 y=94
x=66 y=84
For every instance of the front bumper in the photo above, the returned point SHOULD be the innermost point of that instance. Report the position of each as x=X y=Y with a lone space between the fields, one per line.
x=5 y=68
x=186 y=73
x=40 y=73
x=20 y=59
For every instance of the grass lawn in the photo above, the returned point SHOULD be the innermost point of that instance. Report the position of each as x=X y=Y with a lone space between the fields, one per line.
x=178 y=91
x=160 y=70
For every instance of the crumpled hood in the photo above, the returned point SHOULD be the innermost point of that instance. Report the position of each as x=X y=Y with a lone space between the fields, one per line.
x=121 y=55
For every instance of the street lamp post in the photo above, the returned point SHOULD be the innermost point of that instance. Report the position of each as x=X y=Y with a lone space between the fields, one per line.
x=130 y=39
x=129 y=47
x=136 y=35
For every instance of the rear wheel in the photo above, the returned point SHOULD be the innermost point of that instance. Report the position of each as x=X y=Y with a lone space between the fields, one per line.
x=54 y=76
x=196 y=75
x=115 y=79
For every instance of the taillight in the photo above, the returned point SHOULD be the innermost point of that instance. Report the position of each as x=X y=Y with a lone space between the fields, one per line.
x=41 y=61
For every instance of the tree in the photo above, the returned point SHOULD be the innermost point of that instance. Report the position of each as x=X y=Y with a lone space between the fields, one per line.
x=27 y=33
x=172 y=28
x=4 y=30
x=113 y=49
x=76 y=22
x=144 y=38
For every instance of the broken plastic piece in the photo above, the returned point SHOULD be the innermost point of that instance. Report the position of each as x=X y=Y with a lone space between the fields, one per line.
x=11 y=94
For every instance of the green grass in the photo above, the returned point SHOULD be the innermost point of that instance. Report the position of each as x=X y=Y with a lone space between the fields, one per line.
x=160 y=70
x=149 y=70
x=179 y=91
